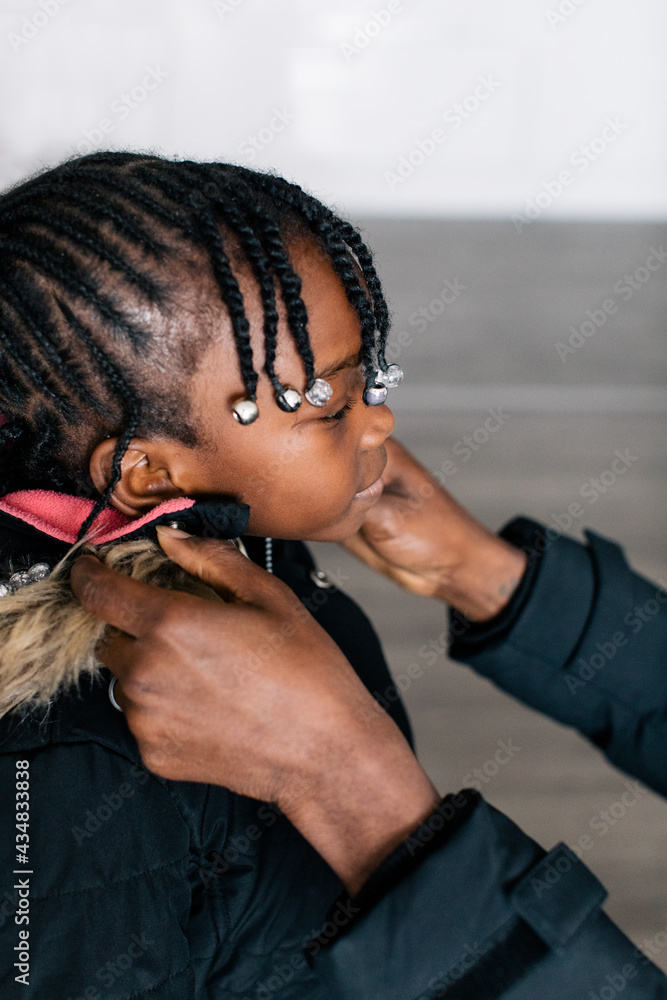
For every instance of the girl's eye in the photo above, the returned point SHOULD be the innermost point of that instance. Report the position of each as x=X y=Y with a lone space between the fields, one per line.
x=339 y=414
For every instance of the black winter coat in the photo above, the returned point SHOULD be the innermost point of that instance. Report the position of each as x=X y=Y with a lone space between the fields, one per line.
x=141 y=887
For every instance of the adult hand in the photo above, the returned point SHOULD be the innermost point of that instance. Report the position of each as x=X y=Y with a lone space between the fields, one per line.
x=296 y=727
x=422 y=539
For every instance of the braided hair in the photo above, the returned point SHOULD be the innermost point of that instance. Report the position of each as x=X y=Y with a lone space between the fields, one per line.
x=85 y=249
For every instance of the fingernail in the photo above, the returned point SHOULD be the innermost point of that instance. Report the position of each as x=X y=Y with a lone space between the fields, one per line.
x=172 y=532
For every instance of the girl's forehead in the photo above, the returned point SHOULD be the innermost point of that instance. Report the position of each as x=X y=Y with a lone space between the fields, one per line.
x=333 y=325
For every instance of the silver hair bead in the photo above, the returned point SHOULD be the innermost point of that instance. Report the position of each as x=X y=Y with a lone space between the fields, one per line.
x=319 y=393
x=392 y=377
x=23 y=577
x=245 y=411
x=289 y=400
x=40 y=571
x=375 y=395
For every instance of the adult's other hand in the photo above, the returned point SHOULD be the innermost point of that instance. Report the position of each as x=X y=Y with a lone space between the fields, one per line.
x=421 y=538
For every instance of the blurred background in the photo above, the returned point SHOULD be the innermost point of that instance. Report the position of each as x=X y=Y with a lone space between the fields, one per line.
x=507 y=163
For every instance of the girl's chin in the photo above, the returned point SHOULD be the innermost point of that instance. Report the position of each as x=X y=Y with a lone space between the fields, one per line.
x=347 y=526
x=340 y=529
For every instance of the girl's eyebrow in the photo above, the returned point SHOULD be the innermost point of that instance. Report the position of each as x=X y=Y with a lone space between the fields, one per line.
x=353 y=361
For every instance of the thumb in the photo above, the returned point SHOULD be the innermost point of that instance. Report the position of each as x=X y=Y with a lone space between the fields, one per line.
x=218 y=563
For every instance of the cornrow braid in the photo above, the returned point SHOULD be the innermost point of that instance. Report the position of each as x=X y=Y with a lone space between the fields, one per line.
x=40 y=327
x=74 y=228
x=290 y=288
x=340 y=237
x=53 y=262
x=131 y=404
x=223 y=273
x=229 y=214
x=84 y=249
x=15 y=356
x=268 y=241
x=125 y=221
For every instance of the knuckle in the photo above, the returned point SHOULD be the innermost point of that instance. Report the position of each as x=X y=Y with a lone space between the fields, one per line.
x=145 y=684
x=155 y=761
x=276 y=594
x=160 y=753
x=179 y=624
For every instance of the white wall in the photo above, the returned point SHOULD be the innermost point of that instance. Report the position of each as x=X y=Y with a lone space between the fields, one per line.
x=352 y=111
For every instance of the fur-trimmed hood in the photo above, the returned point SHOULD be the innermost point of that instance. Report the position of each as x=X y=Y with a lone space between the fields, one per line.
x=47 y=640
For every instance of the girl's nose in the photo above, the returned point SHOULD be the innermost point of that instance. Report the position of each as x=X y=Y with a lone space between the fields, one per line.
x=379 y=425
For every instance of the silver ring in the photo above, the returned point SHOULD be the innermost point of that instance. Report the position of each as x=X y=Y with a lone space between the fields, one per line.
x=112 y=697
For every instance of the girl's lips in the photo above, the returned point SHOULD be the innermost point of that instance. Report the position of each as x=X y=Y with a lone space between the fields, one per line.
x=371 y=492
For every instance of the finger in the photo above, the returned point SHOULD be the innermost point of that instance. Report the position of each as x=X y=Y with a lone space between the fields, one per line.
x=364 y=551
x=117 y=599
x=397 y=574
x=116 y=651
x=220 y=564
x=401 y=467
x=360 y=548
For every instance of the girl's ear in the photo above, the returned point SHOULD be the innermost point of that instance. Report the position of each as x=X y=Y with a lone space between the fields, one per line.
x=145 y=478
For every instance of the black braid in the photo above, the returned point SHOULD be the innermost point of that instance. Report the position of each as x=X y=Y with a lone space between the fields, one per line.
x=46 y=257
x=273 y=246
x=131 y=405
x=83 y=248
x=365 y=257
x=255 y=248
x=38 y=324
x=132 y=422
x=290 y=288
x=126 y=222
x=227 y=283
x=153 y=207
x=252 y=247
x=16 y=353
x=337 y=239
x=83 y=236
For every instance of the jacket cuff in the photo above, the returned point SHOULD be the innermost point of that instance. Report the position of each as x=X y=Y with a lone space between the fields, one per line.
x=523 y=534
x=478 y=911
x=544 y=618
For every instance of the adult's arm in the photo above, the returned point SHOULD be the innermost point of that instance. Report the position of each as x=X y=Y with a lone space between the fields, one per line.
x=565 y=626
x=584 y=640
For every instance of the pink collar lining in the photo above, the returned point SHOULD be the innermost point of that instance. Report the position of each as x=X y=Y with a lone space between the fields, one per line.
x=61 y=515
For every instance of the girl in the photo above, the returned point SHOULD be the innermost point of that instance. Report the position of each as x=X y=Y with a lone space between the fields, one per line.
x=201 y=346
x=140 y=301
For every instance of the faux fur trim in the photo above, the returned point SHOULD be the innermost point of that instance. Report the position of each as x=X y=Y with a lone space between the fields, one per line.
x=48 y=641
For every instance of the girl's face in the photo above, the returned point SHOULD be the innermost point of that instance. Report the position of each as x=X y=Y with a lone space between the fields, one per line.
x=306 y=474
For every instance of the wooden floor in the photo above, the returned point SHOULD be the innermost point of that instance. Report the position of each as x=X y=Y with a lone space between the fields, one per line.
x=492 y=343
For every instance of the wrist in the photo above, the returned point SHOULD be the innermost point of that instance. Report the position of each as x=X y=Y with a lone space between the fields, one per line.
x=484 y=578
x=355 y=813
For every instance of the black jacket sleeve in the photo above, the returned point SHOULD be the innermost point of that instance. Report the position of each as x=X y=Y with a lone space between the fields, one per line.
x=469 y=907
x=583 y=641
